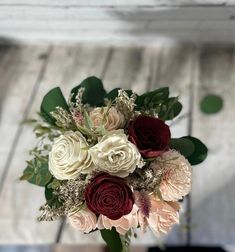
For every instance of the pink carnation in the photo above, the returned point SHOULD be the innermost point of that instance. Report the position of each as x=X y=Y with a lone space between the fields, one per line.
x=176 y=175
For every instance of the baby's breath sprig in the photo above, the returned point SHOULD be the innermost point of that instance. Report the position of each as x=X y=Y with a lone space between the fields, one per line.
x=63 y=118
x=125 y=104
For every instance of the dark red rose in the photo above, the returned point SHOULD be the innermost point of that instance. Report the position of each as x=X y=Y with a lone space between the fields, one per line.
x=109 y=195
x=150 y=135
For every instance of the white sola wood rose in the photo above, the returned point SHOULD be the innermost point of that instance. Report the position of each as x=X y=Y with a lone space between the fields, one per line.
x=83 y=220
x=176 y=175
x=111 y=118
x=115 y=155
x=69 y=156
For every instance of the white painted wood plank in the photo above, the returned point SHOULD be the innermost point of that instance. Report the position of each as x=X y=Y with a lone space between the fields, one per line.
x=19 y=67
x=144 y=37
x=213 y=203
x=131 y=14
x=118 y=2
x=100 y=25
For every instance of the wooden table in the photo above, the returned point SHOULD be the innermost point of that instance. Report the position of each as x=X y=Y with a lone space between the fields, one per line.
x=27 y=72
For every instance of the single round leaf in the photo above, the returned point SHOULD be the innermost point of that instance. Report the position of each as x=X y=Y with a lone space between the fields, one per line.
x=183 y=145
x=200 y=151
x=54 y=98
x=94 y=92
x=177 y=107
x=211 y=104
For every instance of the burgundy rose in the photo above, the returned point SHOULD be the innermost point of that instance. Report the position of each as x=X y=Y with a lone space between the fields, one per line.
x=109 y=195
x=150 y=135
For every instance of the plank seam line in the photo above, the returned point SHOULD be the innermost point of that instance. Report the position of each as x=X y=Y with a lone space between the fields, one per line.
x=62 y=223
x=21 y=126
x=150 y=6
x=194 y=69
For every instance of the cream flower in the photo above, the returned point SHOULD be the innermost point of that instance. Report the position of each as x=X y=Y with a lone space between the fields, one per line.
x=69 y=156
x=83 y=220
x=163 y=215
x=112 y=120
x=176 y=175
x=123 y=224
x=115 y=155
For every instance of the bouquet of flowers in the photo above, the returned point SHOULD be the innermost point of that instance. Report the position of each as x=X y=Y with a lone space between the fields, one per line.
x=108 y=162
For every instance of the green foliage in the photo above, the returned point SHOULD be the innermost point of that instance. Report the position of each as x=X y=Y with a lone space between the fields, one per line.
x=126 y=241
x=192 y=148
x=53 y=99
x=114 y=93
x=94 y=92
x=211 y=104
x=112 y=239
x=200 y=152
x=37 y=172
x=153 y=98
x=170 y=108
x=159 y=102
x=54 y=184
x=52 y=199
x=183 y=145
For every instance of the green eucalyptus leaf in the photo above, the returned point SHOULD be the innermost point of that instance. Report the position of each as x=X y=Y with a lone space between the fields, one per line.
x=112 y=239
x=184 y=145
x=52 y=199
x=156 y=97
x=37 y=174
x=94 y=92
x=211 y=104
x=170 y=108
x=200 y=152
x=54 y=184
x=53 y=99
x=28 y=174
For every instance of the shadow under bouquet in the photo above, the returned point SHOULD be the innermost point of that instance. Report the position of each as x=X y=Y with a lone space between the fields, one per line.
x=108 y=161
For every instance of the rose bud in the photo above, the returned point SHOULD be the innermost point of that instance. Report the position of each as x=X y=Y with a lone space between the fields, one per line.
x=151 y=135
x=109 y=195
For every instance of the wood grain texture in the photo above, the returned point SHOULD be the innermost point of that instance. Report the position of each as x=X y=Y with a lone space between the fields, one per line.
x=120 y=20
x=118 y=2
x=133 y=13
x=19 y=69
x=213 y=192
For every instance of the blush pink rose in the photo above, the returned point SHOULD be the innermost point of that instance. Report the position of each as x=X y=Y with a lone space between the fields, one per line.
x=123 y=224
x=83 y=220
